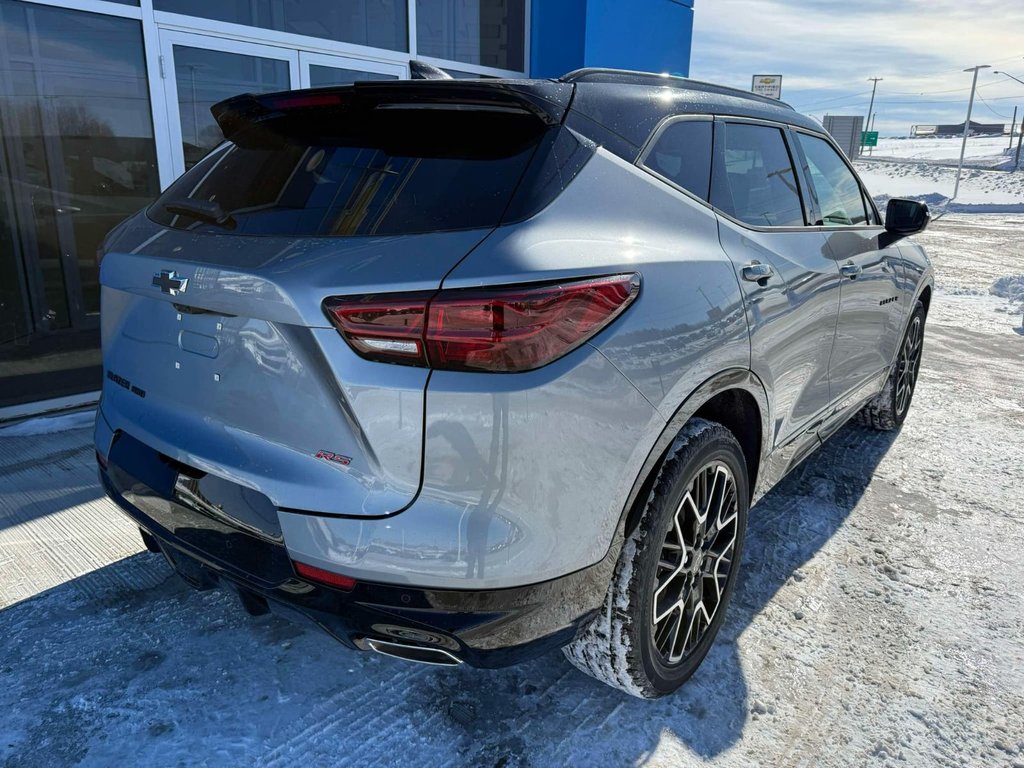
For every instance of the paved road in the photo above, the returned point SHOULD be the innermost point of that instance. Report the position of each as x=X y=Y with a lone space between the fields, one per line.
x=879 y=620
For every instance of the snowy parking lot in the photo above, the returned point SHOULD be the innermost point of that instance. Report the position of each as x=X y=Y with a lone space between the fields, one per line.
x=879 y=619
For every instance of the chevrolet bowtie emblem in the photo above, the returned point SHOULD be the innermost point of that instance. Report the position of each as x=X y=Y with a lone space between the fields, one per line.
x=169 y=282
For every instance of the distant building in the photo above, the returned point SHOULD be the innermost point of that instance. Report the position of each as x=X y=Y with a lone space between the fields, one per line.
x=846 y=131
x=977 y=129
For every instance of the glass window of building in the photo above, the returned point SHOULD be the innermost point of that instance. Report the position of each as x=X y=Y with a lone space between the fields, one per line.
x=205 y=77
x=376 y=23
x=491 y=33
x=78 y=156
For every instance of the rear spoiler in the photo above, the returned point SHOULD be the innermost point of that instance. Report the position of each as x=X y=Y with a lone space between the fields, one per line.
x=546 y=100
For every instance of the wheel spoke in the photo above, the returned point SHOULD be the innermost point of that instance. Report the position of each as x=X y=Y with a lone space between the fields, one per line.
x=695 y=562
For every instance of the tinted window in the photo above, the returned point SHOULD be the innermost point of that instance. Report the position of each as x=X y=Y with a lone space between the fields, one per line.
x=754 y=180
x=835 y=188
x=402 y=172
x=682 y=154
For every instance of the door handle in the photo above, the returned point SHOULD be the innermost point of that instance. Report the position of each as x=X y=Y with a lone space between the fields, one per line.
x=851 y=270
x=756 y=272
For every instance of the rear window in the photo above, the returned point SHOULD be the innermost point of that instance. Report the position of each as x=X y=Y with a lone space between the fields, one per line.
x=404 y=171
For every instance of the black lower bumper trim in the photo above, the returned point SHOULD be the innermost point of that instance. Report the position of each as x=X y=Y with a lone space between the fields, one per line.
x=492 y=628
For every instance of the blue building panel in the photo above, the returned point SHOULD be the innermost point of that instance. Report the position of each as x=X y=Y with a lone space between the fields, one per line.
x=648 y=35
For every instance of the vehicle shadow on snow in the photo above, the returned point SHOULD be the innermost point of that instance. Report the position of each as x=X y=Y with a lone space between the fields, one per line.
x=548 y=702
x=540 y=713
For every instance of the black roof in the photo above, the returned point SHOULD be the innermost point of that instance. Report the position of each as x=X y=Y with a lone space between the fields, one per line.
x=632 y=103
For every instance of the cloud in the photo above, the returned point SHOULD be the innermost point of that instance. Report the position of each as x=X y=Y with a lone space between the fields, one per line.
x=826 y=50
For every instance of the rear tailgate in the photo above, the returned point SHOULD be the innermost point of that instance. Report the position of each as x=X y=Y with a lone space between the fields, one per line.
x=241 y=375
x=216 y=348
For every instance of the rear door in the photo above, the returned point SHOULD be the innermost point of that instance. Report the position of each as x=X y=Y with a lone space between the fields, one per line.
x=871 y=298
x=787 y=272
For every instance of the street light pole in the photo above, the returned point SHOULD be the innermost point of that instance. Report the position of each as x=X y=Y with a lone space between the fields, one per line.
x=871 y=107
x=967 y=125
x=1013 y=124
x=1020 y=137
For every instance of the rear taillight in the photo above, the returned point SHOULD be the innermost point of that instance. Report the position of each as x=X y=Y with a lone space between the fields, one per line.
x=499 y=330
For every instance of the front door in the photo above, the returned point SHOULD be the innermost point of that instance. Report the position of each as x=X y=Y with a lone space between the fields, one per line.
x=871 y=299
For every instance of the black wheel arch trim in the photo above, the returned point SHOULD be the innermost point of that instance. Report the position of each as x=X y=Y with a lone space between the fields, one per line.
x=730 y=379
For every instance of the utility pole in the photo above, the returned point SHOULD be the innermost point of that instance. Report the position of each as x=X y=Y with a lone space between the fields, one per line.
x=871 y=127
x=1020 y=140
x=1020 y=137
x=1013 y=124
x=967 y=125
x=871 y=107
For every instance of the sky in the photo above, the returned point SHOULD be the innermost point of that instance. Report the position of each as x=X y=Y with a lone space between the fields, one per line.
x=827 y=49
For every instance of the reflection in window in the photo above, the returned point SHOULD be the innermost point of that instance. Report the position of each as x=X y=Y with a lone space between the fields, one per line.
x=377 y=23
x=754 y=180
x=840 y=201
x=682 y=154
x=206 y=77
x=75 y=120
x=491 y=33
x=76 y=142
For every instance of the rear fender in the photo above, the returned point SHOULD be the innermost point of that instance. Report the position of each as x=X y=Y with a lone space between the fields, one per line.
x=736 y=378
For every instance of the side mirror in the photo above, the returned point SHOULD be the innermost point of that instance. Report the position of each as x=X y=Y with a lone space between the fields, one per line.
x=906 y=217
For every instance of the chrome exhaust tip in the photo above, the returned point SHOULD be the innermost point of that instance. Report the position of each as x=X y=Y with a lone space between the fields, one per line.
x=419 y=654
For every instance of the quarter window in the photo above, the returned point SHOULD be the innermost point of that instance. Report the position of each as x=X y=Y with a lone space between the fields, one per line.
x=835 y=189
x=754 y=180
x=682 y=154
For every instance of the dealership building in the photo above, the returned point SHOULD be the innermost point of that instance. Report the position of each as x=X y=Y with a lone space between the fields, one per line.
x=104 y=102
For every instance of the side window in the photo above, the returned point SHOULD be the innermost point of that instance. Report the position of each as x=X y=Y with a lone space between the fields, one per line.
x=682 y=154
x=839 y=197
x=754 y=180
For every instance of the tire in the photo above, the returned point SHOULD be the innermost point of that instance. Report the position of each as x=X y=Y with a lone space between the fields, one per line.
x=627 y=645
x=888 y=410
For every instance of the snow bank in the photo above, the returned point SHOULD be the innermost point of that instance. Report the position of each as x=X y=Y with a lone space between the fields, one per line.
x=1010 y=287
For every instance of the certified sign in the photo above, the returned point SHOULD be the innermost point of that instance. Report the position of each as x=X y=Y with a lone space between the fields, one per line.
x=767 y=85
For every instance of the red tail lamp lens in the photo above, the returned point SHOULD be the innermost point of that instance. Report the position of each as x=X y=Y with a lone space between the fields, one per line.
x=500 y=330
x=388 y=328
x=321 y=576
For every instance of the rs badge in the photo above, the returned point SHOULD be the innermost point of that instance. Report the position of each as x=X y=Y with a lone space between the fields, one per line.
x=335 y=458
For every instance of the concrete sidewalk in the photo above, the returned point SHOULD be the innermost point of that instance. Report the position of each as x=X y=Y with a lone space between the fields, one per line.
x=55 y=522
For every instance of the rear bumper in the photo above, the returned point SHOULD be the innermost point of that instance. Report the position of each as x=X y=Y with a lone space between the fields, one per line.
x=491 y=628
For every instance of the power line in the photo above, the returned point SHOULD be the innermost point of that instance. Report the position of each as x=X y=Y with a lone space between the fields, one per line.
x=989 y=108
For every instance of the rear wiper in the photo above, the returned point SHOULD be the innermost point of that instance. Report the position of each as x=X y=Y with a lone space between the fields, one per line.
x=204 y=210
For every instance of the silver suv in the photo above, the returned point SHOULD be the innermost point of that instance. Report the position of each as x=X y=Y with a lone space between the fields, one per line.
x=466 y=371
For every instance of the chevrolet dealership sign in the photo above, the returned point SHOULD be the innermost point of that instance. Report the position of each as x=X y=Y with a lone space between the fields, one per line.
x=767 y=85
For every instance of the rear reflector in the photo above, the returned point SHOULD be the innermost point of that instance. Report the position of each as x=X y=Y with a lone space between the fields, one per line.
x=501 y=330
x=321 y=576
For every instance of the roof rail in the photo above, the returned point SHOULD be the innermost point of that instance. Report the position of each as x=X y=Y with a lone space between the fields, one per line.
x=630 y=77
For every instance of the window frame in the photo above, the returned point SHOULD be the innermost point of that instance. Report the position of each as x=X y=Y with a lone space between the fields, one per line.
x=655 y=137
x=796 y=157
x=874 y=219
x=721 y=121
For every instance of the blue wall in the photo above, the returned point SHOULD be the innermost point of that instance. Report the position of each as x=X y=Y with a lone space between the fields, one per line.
x=649 y=35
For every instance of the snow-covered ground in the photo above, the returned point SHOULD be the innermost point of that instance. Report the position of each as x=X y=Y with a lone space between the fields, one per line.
x=982 y=189
x=982 y=151
x=879 y=619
